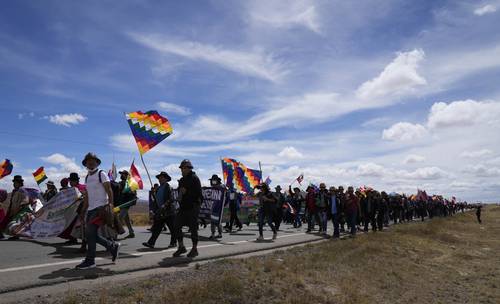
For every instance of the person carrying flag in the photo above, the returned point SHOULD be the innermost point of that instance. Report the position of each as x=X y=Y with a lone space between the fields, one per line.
x=125 y=196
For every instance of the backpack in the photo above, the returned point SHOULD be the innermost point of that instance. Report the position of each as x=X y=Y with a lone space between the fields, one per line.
x=100 y=178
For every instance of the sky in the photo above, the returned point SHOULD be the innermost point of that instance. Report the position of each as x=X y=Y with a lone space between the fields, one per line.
x=396 y=95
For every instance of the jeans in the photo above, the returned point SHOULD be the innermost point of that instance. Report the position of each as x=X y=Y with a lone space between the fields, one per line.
x=93 y=237
x=265 y=214
x=124 y=217
x=234 y=218
x=335 y=220
x=323 y=220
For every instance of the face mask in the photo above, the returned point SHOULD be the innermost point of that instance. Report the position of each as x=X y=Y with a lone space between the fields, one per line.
x=213 y=183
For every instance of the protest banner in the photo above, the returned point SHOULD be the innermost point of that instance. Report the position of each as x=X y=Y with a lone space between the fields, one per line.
x=213 y=204
x=55 y=216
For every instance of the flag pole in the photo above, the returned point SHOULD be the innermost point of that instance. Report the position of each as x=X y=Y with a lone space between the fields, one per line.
x=222 y=168
x=261 y=174
x=147 y=172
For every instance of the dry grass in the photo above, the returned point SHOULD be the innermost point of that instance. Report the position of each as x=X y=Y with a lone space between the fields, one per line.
x=452 y=260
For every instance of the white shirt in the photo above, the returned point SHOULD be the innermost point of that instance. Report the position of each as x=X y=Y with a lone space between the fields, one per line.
x=95 y=190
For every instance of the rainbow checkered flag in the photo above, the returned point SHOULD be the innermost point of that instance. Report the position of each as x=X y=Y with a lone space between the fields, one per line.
x=239 y=177
x=149 y=129
x=5 y=168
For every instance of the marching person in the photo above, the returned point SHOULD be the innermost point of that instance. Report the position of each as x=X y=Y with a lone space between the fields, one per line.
x=296 y=202
x=278 y=215
x=64 y=184
x=164 y=212
x=189 y=208
x=352 y=208
x=266 y=210
x=478 y=213
x=234 y=205
x=99 y=196
x=322 y=207
x=215 y=182
x=50 y=192
x=334 y=207
x=13 y=203
x=125 y=196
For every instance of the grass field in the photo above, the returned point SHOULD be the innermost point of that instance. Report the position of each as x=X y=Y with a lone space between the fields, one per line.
x=449 y=260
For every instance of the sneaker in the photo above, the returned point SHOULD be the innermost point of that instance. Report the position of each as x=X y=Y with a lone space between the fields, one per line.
x=71 y=242
x=193 y=253
x=239 y=228
x=275 y=235
x=115 y=250
x=179 y=251
x=85 y=265
x=13 y=238
x=146 y=244
x=212 y=237
x=130 y=236
x=172 y=245
x=260 y=238
x=219 y=236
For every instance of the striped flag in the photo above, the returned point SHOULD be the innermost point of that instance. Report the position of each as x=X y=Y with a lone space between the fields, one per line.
x=134 y=181
x=39 y=175
x=5 y=168
x=268 y=181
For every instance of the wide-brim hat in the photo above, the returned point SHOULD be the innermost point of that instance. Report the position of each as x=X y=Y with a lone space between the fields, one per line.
x=277 y=187
x=51 y=183
x=74 y=176
x=90 y=155
x=215 y=177
x=18 y=178
x=164 y=174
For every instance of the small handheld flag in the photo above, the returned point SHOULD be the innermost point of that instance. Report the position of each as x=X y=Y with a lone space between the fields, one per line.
x=5 y=168
x=300 y=179
x=39 y=175
x=112 y=174
x=134 y=181
x=268 y=181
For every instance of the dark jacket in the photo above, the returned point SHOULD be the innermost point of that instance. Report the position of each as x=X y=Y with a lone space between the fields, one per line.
x=193 y=196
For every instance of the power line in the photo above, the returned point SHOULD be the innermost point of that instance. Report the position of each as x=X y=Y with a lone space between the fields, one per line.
x=53 y=138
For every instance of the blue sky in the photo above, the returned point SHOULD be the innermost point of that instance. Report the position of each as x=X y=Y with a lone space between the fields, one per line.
x=398 y=95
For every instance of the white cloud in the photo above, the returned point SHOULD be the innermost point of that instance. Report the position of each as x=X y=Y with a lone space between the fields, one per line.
x=66 y=119
x=430 y=173
x=482 y=170
x=413 y=158
x=370 y=169
x=486 y=9
x=476 y=154
x=255 y=63
x=173 y=108
x=290 y=153
x=404 y=131
x=398 y=78
x=63 y=161
x=286 y=14
x=463 y=113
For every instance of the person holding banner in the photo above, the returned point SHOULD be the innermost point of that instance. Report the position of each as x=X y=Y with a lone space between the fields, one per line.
x=191 y=196
x=267 y=209
x=215 y=182
x=99 y=202
x=14 y=202
x=165 y=212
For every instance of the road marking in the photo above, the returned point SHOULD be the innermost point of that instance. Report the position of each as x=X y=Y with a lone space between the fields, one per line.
x=133 y=254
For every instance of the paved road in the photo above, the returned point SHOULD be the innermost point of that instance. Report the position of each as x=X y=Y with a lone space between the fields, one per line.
x=29 y=263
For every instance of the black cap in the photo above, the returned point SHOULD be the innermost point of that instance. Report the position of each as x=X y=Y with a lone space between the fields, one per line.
x=73 y=176
x=18 y=178
x=124 y=172
x=186 y=163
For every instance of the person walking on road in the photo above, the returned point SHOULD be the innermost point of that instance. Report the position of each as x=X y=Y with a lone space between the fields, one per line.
x=165 y=212
x=189 y=208
x=98 y=201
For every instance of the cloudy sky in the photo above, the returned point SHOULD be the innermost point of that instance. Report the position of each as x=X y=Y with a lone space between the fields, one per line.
x=397 y=95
